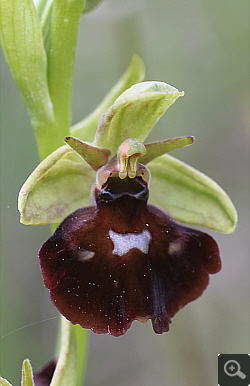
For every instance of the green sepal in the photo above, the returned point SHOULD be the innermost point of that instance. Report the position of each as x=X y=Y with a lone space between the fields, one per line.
x=4 y=382
x=27 y=374
x=189 y=196
x=86 y=128
x=156 y=149
x=57 y=187
x=135 y=113
x=93 y=155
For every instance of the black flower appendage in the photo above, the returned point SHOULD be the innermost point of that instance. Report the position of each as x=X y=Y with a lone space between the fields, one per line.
x=124 y=260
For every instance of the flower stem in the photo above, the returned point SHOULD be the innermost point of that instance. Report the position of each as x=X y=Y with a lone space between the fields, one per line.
x=66 y=370
x=61 y=55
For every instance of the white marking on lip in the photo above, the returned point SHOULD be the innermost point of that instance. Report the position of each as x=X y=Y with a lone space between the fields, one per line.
x=175 y=247
x=123 y=243
x=85 y=255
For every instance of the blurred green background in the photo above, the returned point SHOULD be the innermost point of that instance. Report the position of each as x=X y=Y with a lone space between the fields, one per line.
x=201 y=47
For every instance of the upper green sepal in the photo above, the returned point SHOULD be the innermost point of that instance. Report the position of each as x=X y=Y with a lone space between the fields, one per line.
x=94 y=156
x=134 y=113
x=190 y=196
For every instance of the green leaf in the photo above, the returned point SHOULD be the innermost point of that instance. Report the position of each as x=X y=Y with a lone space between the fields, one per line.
x=156 y=149
x=93 y=155
x=23 y=47
x=44 y=11
x=57 y=187
x=66 y=369
x=135 y=113
x=86 y=128
x=27 y=374
x=22 y=43
x=189 y=196
x=4 y=382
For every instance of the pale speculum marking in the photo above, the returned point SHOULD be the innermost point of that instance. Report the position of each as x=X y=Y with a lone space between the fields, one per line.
x=85 y=255
x=175 y=247
x=123 y=243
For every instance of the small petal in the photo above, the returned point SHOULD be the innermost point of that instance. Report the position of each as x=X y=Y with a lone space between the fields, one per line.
x=124 y=260
x=94 y=156
x=156 y=149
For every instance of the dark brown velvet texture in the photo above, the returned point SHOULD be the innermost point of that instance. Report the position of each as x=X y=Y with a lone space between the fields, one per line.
x=159 y=267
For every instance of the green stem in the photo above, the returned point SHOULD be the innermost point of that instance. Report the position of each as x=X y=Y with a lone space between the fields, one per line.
x=63 y=35
x=72 y=353
x=61 y=54
x=66 y=370
x=82 y=344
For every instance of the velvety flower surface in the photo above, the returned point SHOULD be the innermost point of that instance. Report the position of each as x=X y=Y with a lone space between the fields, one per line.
x=124 y=260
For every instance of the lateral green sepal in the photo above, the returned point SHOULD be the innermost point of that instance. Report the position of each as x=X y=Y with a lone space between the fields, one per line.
x=59 y=185
x=190 y=196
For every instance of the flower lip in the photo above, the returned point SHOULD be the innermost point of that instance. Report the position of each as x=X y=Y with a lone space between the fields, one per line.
x=116 y=188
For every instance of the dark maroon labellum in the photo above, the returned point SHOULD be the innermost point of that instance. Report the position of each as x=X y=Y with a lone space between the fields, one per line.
x=121 y=260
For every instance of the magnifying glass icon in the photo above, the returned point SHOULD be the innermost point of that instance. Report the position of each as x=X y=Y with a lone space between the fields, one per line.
x=232 y=368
